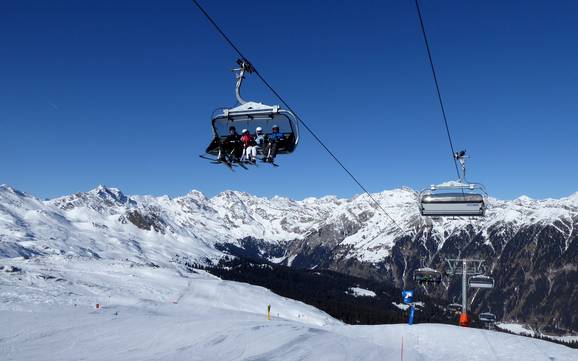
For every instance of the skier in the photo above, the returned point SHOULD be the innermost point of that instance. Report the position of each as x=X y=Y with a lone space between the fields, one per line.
x=260 y=140
x=231 y=146
x=274 y=139
x=249 y=145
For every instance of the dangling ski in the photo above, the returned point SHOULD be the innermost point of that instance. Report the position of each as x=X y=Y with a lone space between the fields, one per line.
x=241 y=164
x=272 y=163
x=216 y=161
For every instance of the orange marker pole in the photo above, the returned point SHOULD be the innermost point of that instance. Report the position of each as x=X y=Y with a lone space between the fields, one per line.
x=464 y=319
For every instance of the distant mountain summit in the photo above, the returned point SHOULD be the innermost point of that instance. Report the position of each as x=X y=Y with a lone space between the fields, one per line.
x=530 y=246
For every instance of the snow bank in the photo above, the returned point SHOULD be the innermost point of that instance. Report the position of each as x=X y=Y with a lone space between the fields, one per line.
x=360 y=292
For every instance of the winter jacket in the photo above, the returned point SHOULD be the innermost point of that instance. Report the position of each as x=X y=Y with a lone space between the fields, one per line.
x=247 y=140
x=276 y=137
x=260 y=140
x=232 y=139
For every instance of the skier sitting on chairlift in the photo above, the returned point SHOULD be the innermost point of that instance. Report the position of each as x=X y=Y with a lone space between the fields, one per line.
x=249 y=147
x=274 y=139
x=231 y=146
x=260 y=140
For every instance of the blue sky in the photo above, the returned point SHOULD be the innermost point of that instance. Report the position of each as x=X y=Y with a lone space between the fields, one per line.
x=120 y=93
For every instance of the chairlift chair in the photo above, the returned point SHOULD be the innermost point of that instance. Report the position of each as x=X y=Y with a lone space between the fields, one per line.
x=481 y=281
x=456 y=198
x=487 y=317
x=455 y=307
x=427 y=275
x=250 y=115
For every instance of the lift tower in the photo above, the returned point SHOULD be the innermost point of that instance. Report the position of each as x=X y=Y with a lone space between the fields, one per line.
x=465 y=267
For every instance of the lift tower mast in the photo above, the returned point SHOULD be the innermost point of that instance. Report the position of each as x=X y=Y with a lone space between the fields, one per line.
x=465 y=267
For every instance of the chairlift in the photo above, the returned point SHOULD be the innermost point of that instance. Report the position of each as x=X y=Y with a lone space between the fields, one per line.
x=455 y=308
x=455 y=198
x=251 y=115
x=427 y=275
x=487 y=317
x=481 y=281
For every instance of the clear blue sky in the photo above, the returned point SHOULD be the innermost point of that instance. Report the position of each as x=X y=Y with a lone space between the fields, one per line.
x=120 y=93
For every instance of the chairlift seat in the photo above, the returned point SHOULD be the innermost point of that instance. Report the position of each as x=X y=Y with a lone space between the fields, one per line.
x=487 y=317
x=427 y=275
x=250 y=116
x=452 y=204
x=481 y=281
x=455 y=198
x=455 y=307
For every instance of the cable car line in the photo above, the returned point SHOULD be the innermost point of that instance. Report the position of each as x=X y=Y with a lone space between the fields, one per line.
x=282 y=100
x=462 y=204
x=440 y=99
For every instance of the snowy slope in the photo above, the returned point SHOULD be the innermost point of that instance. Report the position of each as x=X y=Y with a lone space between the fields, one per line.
x=520 y=329
x=157 y=313
x=176 y=333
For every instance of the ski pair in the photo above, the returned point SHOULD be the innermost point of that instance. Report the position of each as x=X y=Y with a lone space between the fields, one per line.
x=230 y=164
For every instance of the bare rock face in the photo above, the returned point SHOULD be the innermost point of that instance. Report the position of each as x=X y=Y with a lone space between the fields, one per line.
x=529 y=246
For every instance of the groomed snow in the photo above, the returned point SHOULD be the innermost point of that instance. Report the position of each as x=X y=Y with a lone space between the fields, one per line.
x=47 y=308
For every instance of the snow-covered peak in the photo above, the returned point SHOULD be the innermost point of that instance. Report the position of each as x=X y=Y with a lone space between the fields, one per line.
x=572 y=199
x=524 y=201
x=110 y=194
x=101 y=199
x=6 y=189
x=196 y=195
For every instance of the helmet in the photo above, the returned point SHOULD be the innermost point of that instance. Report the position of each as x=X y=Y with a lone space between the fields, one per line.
x=275 y=127
x=259 y=129
x=244 y=131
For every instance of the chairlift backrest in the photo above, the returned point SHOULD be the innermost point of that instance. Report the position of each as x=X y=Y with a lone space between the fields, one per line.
x=487 y=317
x=427 y=275
x=481 y=281
x=454 y=204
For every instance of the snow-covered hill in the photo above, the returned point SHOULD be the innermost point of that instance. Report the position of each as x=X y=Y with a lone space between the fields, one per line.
x=530 y=245
x=47 y=308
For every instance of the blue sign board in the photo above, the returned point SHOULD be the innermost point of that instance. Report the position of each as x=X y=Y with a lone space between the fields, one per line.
x=407 y=296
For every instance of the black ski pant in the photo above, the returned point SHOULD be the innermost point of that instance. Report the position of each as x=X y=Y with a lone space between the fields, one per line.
x=271 y=150
x=231 y=149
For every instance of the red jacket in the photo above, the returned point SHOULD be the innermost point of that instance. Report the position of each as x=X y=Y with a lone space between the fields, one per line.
x=247 y=139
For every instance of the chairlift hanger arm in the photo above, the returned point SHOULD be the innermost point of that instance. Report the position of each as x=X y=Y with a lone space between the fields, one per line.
x=245 y=66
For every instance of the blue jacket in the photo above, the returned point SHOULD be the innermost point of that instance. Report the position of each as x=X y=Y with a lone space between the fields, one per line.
x=275 y=137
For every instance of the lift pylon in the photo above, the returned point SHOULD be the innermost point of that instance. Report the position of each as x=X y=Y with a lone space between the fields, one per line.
x=465 y=267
